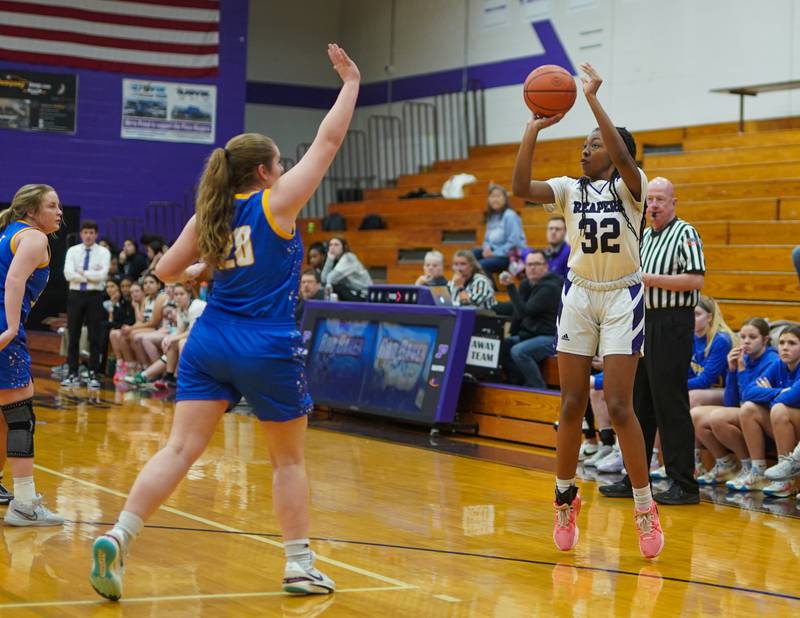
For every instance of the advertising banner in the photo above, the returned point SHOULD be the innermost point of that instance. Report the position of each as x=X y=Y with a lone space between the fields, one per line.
x=37 y=101
x=168 y=112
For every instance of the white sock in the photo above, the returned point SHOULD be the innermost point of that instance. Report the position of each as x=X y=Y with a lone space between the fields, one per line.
x=758 y=466
x=726 y=461
x=746 y=463
x=642 y=498
x=299 y=550
x=128 y=526
x=563 y=485
x=24 y=489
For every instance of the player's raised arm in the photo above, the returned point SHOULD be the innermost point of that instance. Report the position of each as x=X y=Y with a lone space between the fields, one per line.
x=293 y=189
x=521 y=183
x=620 y=157
x=179 y=263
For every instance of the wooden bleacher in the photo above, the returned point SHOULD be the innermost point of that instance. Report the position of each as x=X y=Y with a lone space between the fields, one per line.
x=741 y=191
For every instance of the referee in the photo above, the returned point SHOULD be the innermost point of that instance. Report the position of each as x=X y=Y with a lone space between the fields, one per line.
x=673 y=273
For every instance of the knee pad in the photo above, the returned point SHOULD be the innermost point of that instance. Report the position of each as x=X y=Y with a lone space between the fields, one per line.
x=21 y=423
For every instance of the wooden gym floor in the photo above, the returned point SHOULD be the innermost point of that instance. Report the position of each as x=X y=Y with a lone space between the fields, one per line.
x=404 y=531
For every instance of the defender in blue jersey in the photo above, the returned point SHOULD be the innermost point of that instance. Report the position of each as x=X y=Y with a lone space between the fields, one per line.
x=24 y=268
x=246 y=342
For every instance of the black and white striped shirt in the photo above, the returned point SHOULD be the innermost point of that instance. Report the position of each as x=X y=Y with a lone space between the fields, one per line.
x=675 y=250
x=479 y=289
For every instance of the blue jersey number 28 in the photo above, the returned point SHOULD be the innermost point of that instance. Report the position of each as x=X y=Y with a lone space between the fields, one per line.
x=242 y=249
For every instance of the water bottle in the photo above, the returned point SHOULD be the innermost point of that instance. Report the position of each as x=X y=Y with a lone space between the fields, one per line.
x=204 y=290
x=328 y=291
x=312 y=226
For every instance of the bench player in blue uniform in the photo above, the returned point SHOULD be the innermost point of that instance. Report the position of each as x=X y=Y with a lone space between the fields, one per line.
x=246 y=342
x=24 y=269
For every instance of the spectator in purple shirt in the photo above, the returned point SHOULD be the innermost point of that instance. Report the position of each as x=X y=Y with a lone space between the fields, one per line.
x=557 y=250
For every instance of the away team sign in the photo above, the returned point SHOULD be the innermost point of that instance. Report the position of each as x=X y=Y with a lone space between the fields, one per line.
x=168 y=112
x=484 y=352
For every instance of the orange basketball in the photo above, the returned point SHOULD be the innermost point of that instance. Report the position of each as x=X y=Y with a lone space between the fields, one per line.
x=549 y=90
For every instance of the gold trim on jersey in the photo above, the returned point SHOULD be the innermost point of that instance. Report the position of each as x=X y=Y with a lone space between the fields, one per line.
x=245 y=196
x=268 y=214
x=13 y=247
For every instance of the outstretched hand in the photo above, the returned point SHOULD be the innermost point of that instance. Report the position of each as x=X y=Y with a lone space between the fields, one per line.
x=542 y=122
x=591 y=85
x=342 y=64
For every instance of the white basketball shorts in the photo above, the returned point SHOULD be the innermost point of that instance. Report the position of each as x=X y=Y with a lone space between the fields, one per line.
x=601 y=322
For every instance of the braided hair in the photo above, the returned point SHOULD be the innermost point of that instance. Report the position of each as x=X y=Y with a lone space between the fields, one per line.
x=630 y=144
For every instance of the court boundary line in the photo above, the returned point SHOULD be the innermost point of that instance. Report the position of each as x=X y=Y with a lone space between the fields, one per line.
x=220 y=526
x=454 y=552
x=190 y=597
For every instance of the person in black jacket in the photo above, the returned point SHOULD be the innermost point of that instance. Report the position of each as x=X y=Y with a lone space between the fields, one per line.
x=131 y=263
x=533 y=328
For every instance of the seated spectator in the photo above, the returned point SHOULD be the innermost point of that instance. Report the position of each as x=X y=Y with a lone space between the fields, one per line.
x=113 y=264
x=713 y=339
x=470 y=286
x=119 y=311
x=768 y=393
x=169 y=290
x=310 y=289
x=784 y=417
x=132 y=263
x=316 y=256
x=188 y=309
x=344 y=272
x=150 y=342
x=120 y=337
x=145 y=336
x=433 y=270
x=155 y=251
x=125 y=284
x=504 y=233
x=746 y=362
x=534 y=327
x=557 y=251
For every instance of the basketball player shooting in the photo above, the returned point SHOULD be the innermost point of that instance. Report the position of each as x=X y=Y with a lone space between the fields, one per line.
x=602 y=303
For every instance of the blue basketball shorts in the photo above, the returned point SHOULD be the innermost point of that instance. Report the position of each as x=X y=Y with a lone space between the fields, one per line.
x=227 y=357
x=15 y=364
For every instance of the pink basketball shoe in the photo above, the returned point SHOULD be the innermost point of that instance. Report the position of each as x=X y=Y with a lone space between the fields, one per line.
x=565 y=530
x=651 y=536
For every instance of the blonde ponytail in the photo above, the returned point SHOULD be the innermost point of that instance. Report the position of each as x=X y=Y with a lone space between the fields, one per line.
x=26 y=201
x=718 y=323
x=228 y=170
x=215 y=208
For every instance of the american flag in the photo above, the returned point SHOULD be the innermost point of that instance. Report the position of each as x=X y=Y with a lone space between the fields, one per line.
x=175 y=38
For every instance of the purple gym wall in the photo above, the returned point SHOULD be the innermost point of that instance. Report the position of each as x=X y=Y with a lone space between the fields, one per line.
x=105 y=175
